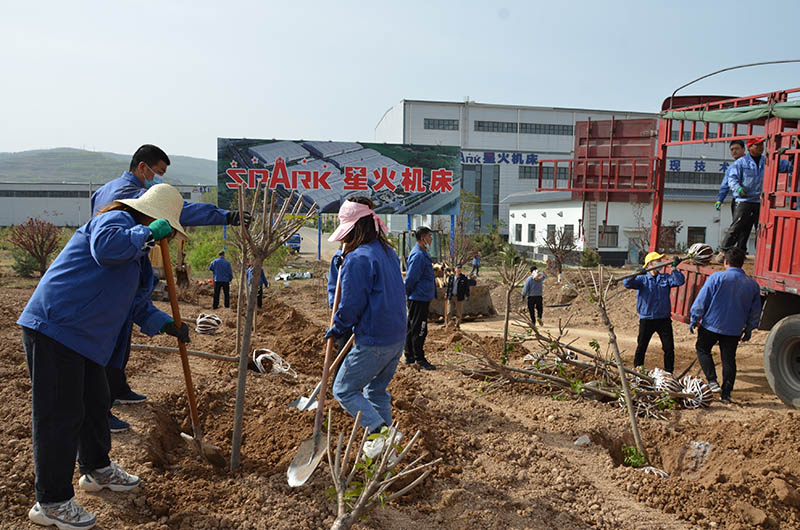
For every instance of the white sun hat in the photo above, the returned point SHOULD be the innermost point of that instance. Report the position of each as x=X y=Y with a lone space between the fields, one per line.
x=162 y=201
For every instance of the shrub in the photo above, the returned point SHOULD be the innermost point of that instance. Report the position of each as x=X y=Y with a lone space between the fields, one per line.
x=24 y=264
x=590 y=257
x=39 y=239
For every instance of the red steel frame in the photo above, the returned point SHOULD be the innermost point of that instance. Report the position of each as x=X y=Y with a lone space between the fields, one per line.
x=778 y=248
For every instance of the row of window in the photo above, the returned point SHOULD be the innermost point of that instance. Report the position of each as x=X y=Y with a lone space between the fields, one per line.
x=442 y=125
x=532 y=172
x=608 y=235
x=693 y=177
x=58 y=194
x=524 y=128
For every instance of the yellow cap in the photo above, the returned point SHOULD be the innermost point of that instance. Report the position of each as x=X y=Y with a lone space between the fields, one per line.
x=652 y=256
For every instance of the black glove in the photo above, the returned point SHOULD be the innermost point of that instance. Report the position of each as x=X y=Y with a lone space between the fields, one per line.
x=640 y=270
x=181 y=333
x=234 y=219
x=675 y=262
x=747 y=334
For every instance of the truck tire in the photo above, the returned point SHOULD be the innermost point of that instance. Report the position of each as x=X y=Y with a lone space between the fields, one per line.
x=782 y=360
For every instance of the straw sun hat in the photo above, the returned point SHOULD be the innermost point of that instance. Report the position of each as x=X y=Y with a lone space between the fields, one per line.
x=162 y=201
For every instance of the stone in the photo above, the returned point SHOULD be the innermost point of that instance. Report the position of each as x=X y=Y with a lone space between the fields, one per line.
x=786 y=493
x=751 y=514
x=583 y=441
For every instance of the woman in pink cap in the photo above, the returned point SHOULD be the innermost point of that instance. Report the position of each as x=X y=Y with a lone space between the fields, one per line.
x=373 y=306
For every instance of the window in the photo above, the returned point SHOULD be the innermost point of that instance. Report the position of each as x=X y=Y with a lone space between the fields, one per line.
x=443 y=125
x=569 y=232
x=528 y=172
x=61 y=194
x=531 y=233
x=518 y=233
x=608 y=236
x=496 y=126
x=694 y=177
x=551 y=232
x=695 y=234
x=546 y=128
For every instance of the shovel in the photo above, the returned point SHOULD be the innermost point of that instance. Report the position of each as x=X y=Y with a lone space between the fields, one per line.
x=210 y=453
x=310 y=403
x=313 y=449
x=699 y=253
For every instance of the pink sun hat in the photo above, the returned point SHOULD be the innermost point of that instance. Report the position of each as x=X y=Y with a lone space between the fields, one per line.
x=349 y=214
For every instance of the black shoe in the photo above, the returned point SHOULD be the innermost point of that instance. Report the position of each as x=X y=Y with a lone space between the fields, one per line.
x=410 y=361
x=117 y=425
x=726 y=399
x=425 y=365
x=130 y=398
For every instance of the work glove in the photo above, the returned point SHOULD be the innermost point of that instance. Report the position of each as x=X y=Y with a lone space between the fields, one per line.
x=333 y=333
x=675 y=262
x=182 y=333
x=717 y=205
x=740 y=191
x=160 y=229
x=748 y=332
x=692 y=325
x=235 y=219
x=640 y=270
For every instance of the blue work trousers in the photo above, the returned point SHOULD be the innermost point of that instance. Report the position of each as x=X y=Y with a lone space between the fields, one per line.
x=361 y=383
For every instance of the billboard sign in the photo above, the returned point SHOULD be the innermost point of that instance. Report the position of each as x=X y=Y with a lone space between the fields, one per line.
x=399 y=178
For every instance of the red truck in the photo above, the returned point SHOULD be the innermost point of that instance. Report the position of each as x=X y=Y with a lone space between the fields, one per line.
x=626 y=160
x=777 y=262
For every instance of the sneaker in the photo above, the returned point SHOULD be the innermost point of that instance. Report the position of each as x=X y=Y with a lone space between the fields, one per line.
x=66 y=515
x=714 y=387
x=374 y=448
x=540 y=322
x=726 y=399
x=117 y=425
x=111 y=477
x=425 y=365
x=130 y=398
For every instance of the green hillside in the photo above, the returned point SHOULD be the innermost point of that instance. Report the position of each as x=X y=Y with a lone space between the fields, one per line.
x=77 y=165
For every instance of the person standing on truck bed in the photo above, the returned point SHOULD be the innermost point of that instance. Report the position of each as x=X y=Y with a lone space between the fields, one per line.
x=147 y=168
x=737 y=152
x=725 y=311
x=420 y=290
x=745 y=178
x=653 y=306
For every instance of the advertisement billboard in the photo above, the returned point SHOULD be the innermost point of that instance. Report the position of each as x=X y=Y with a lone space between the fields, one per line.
x=399 y=178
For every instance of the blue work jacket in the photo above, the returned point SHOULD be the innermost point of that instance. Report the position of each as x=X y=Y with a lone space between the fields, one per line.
x=373 y=302
x=264 y=281
x=729 y=302
x=128 y=186
x=333 y=274
x=99 y=283
x=533 y=287
x=420 y=283
x=223 y=272
x=652 y=301
x=745 y=173
x=724 y=189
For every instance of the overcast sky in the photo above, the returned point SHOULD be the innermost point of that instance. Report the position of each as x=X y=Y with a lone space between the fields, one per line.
x=110 y=76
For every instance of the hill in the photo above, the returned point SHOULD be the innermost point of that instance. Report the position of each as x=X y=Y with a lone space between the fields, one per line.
x=76 y=165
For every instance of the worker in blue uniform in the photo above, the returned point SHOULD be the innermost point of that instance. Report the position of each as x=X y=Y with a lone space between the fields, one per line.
x=726 y=310
x=372 y=305
x=70 y=327
x=420 y=290
x=737 y=152
x=261 y=284
x=147 y=168
x=654 y=309
x=222 y=275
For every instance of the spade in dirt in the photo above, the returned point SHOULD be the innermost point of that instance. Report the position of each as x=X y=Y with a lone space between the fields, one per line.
x=313 y=449
x=210 y=453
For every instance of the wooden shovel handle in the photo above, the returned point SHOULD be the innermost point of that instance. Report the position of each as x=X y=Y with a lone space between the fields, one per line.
x=176 y=315
x=326 y=366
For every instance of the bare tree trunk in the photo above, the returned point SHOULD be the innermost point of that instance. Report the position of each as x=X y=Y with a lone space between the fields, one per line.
x=508 y=313
x=239 y=298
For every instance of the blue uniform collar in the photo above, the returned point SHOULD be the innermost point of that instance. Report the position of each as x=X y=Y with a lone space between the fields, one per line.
x=751 y=161
x=133 y=179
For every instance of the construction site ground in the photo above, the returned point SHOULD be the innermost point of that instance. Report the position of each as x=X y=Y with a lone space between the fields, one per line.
x=509 y=458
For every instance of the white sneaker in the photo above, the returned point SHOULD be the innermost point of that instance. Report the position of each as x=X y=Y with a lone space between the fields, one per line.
x=66 y=516
x=374 y=448
x=714 y=387
x=112 y=477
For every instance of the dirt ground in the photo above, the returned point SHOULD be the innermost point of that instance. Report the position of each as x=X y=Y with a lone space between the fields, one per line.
x=509 y=457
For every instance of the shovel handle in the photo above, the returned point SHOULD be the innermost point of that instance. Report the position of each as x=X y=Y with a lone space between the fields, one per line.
x=176 y=315
x=326 y=365
x=648 y=269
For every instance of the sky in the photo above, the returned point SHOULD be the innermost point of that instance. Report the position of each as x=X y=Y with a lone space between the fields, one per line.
x=110 y=76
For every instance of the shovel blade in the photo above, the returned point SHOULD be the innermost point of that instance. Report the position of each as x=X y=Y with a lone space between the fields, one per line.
x=211 y=453
x=304 y=403
x=307 y=459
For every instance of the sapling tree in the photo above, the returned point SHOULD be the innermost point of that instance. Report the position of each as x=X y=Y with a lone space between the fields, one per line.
x=561 y=244
x=512 y=271
x=37 y=238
